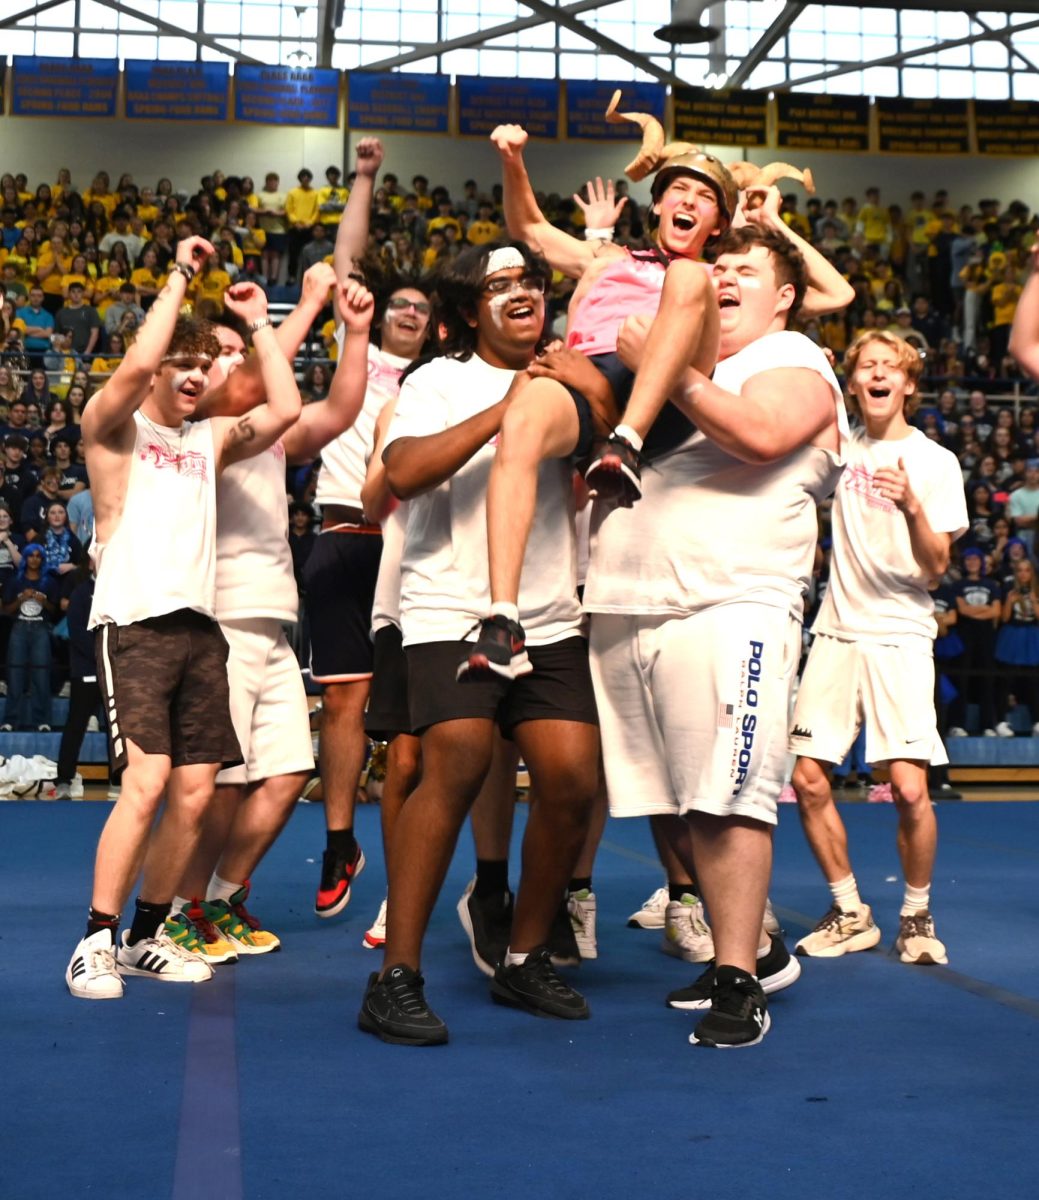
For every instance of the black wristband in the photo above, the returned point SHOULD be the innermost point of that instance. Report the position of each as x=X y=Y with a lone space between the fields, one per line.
x=185 y=270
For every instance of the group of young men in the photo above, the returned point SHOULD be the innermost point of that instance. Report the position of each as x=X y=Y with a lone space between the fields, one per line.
x=694 y=597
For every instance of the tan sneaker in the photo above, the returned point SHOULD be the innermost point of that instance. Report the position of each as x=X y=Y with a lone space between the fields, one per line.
x=686 y=932
x=840 y=933
x=917 y=941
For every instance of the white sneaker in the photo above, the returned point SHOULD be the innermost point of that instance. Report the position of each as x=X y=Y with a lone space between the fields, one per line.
x=990 y=733
x=771 y=921
x=956 y=731
x=91 y=973
x=653 y=912
x=1005 y=729
x=686 y=932
x=581 y=906
x=161 y=958
x=840 y=933
x=917 y=942
x=375 y=936
x=63 y=791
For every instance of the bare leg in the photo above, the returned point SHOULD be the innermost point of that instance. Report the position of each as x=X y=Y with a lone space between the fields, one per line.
x=563 y=757
x=174 y=839
x=540 y=423
x=455 y=759
x=259 y=819
x=822 y=823
x=403 y=772
x=585 y=864
x=124 y=839
x=917 y=825
x=216 y=829
x=675 y=848
x=492 y=813
x=343 y=749
x=733 y=858
x=684 y=333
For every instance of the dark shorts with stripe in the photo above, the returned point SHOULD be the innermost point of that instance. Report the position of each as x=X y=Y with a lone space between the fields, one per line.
x=164 y=683
x=388 y=713
x=668 y=432
x=339 y=579
x=558 y=689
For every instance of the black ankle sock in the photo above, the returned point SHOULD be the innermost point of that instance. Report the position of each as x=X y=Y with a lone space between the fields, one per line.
x=97 y=921
x=343 y=842
x=147 y=918
x=580 y=883
x=675 y=891
x=492 y=876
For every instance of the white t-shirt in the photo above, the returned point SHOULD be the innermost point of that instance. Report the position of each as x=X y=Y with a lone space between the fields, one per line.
x=711 y=529
x=444 y=589
x=386 y=608
x=878 y=591
x=344 y=461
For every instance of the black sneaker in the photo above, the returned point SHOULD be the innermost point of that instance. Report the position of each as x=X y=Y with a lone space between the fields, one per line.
x=337 y=876
x=776 y=970
x=535 y=987
x=614 y=475
x=500 y=649
x=739 y=1013
x=395 y=1009
x=487 y=921
x=562 y=941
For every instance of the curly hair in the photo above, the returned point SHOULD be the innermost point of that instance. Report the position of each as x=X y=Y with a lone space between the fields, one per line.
x=909 y=361
x=787 y=261
x=192 y=338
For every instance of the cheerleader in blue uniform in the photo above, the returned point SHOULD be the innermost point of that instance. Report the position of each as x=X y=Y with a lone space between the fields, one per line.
x=1017 y=644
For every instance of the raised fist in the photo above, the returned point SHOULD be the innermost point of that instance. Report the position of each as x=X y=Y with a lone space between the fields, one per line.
x=368 y=153
x=509 y=140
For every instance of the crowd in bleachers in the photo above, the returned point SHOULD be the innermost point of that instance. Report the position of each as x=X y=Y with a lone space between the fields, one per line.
x=81 y=265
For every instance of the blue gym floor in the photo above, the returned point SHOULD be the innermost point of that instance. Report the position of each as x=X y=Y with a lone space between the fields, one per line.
x=877 y=1080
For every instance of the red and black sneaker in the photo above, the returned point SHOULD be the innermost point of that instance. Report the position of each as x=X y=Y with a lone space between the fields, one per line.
x=500 y=649
x=337 y=874
x=614 y=475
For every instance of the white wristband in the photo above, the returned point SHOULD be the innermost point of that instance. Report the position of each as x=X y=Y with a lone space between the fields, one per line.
x=605 y=235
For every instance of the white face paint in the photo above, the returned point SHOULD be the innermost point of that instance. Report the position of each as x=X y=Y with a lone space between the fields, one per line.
x=223 y=367
x=178 y=379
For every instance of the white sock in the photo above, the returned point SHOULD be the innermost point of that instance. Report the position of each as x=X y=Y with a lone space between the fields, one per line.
x=502 y=608
x=220 y=889
x=846 y=894
x=916 y=900
x=180 y=904
x=515 y=960
x=629 y=435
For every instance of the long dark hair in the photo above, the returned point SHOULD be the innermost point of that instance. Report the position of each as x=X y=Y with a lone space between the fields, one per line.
x=458 y=284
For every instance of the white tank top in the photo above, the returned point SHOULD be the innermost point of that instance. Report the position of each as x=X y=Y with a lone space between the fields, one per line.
x=162 y=556
x=254 y=575
x=344 y=461
x=386 y=609
x=711 y=529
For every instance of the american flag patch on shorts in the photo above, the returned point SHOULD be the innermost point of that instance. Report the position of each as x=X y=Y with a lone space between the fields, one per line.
x=725 y=715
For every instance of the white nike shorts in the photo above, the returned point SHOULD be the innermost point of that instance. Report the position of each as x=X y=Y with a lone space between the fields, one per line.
x=889 y=688
x=694 y=710
x=268 y=702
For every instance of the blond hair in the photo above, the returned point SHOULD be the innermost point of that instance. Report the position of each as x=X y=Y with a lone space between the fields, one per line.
x=909 y=361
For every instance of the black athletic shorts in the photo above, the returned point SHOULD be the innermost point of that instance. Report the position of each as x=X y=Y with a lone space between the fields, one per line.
x=164 y=683
x=558 y=689
x=388 y=712
x=340 y=580
x=668 y=432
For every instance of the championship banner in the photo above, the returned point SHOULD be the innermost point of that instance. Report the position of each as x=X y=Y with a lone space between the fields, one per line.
x=176 y=91
x=398 y=101
x=587 y=101
x=815 y=121
x=286 y=95
x=485 y=103
x=720 y=118
x=922 y=126
x=1007 y=127
x=64 y=87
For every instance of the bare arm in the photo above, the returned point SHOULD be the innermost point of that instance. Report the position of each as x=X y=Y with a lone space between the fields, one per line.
x=1024 y=332
x=522 y=215
x=253 y=433
x=319 y=423
x=930 y=549
x=376 y=498
x=828 y=291
x=352 y=234
x=114 y=405
x=317 y=281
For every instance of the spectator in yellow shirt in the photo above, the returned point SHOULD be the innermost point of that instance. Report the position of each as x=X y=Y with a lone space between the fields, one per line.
x=874 y=223
x=445 y=216
x=54 y=262
x=301 y=213
x=148 y=210
x=420 y=190
x=148 y=278
x=210 y=284
x=106 y=290
x=1005 y=295
x=484 y=229
x=78 y=272
x=332 y=198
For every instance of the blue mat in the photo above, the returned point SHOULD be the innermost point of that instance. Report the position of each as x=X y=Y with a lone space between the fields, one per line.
x=876 y=1079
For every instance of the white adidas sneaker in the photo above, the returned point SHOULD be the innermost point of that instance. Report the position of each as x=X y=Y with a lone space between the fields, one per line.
x=91 y=973
x=161 y=958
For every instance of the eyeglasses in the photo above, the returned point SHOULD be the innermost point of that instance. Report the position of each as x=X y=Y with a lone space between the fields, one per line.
x=399 y=304
x=529 y=283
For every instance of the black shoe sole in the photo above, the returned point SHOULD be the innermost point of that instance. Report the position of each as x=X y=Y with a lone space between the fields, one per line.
x=502 y=994
x=368 y=1024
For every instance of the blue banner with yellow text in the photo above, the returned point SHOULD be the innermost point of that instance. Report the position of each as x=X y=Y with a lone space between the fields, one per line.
x=176 y=91
x=484 y=103
x=587 y=101
x=286 y=95
x=398 y=101
x=64 y=87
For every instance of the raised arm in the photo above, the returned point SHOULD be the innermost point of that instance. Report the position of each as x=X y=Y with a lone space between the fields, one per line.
x=242 y=437
x=114 y=405
x=319 y=423
x=522 y=215
x=352 y=235
x=318 y=280
x=828 y=291
x=1024 y=332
